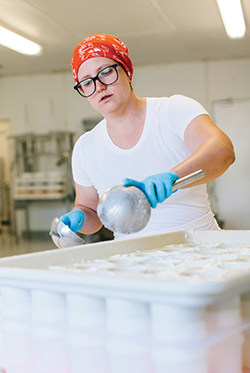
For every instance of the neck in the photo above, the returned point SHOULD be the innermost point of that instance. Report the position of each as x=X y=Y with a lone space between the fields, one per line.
x=128 y=109
x=126 y=125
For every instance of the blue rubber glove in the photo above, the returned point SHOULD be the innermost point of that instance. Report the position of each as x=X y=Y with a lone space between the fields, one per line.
x=156 y=188
x=74 y=219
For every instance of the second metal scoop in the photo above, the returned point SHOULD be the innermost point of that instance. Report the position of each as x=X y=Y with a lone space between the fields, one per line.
x=63 y=236
x=127 y=210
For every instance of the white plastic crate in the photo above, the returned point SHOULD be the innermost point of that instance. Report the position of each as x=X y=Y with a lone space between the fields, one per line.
x=42 y=272
x=127 y=310
x=32 y=347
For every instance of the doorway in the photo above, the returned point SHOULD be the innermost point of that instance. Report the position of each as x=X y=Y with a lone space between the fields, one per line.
x=232 y=190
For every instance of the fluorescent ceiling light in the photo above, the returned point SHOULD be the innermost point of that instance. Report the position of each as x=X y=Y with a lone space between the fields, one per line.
x=232 y=16
x=18 y=43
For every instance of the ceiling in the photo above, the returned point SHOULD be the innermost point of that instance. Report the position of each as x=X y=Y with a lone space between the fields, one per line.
x=155 y=31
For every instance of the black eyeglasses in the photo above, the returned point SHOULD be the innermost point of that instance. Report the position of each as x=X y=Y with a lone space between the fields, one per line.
x=107 y=76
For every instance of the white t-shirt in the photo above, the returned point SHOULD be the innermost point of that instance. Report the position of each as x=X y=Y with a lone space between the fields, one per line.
x=98 y=162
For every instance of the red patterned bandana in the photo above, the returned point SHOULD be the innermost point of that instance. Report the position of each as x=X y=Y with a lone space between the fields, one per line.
x=101 y=45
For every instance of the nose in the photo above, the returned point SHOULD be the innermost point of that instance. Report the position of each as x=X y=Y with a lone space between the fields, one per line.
x=100 y=86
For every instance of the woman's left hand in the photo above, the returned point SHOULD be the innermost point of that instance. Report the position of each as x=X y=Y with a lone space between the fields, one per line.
x=156 y=188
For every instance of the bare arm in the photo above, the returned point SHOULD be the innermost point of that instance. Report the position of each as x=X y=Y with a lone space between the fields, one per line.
x=87 y=200
x=212 y=150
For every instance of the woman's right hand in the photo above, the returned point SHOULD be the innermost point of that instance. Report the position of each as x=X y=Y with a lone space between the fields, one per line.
x=74 y=219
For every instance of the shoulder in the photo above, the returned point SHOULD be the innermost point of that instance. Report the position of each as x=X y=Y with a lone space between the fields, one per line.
x=176 y=105
x=186 y=104
x=175 y=112
x=171 y=102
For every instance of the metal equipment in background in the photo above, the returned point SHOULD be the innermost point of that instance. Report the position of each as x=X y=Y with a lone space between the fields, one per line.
x=5 y=212
x=41 y=171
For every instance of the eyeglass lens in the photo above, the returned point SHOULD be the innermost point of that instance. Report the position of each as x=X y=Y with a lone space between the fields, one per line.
x=106 y=76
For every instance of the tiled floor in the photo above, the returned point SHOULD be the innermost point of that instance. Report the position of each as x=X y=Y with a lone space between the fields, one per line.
x=10 y=245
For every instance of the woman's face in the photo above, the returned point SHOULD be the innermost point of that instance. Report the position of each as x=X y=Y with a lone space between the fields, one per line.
x=107 y=98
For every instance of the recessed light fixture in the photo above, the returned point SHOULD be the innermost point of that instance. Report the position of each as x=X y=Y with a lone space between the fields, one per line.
x=233 y=18
x=18 y=43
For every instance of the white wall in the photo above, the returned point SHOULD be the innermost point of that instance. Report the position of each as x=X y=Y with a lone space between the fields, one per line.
x=47 y=102
x=44 y=102
x=41 y=103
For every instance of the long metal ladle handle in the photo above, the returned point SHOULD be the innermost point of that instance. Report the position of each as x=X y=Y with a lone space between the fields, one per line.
x=189 y=179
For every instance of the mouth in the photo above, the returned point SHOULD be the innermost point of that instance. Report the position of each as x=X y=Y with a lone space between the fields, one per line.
x=105 y=98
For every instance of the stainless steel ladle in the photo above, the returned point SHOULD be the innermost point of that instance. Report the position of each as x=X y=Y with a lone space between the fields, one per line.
x=127 y=210
x=63 y=236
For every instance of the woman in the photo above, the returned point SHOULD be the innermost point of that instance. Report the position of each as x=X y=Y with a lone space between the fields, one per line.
x=146 y=142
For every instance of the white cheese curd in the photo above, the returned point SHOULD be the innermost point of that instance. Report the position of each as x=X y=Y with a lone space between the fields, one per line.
x=191 y=262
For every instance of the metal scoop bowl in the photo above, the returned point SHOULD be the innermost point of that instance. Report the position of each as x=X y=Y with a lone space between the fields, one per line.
x=124 y=209
x=63 y=236
x=127 y=210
